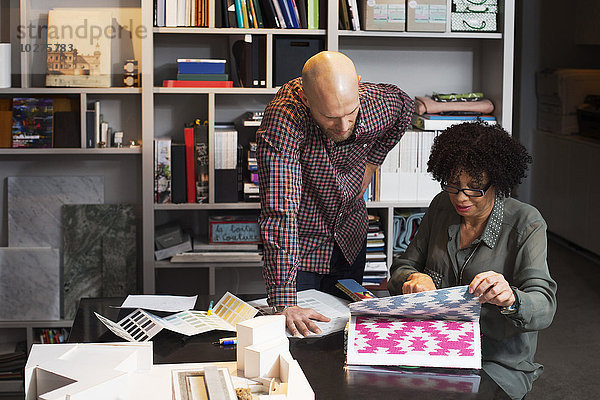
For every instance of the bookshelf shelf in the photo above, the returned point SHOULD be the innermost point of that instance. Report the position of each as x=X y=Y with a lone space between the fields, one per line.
x=234 y=90
x=49 y=90
x=238 y=31
x=429 y=35
x=55 y=151
x=242 y=264
x=207 y=206
x=62 y=323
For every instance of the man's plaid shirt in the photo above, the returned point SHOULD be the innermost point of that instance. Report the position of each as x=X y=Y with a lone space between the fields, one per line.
x=309 y=185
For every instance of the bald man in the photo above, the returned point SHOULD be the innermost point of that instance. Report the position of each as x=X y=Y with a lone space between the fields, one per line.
x=321 y=139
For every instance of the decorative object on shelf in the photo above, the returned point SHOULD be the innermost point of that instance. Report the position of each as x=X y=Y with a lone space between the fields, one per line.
x=170 y=240
x=133 y=144
x=99 y=255
x=426 y=16
x=32 y=122
x=232 y=229
x=5 y=60
x=76 y=59
x=383 y=15
x=131 y=77
x=118 y=139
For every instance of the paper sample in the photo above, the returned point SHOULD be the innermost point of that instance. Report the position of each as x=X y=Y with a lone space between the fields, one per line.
x=140 y=325
x=160 y=303
x=323 y=303
x=438 y=328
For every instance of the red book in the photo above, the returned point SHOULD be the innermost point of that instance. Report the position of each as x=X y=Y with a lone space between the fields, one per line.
x=190 y=163
x=198 y=84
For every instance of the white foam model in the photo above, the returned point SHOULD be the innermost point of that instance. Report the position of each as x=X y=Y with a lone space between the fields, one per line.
x=257 y=331
x=84 y=371
x=265 y=356
x=263 y=359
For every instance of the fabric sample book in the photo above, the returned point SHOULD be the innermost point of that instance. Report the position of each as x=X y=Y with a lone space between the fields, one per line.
x=438 y=328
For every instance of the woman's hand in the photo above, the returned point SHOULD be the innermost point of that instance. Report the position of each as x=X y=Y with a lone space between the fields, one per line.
x=418 y=282
x=492 y=287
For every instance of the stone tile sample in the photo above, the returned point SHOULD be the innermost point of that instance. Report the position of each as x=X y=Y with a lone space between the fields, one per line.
x=34 y=206
x=29 y=284
x=99 y=253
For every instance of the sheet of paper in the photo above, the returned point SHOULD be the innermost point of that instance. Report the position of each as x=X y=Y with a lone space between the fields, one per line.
x=139 y=326
x=160 y=302
x=323 y=303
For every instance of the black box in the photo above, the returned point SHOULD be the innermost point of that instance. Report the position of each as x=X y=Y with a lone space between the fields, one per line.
x=226 y=186
x=290 y=54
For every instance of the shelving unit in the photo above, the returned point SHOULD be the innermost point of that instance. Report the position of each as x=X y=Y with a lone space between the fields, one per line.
x=454 y=61
x=418 y=62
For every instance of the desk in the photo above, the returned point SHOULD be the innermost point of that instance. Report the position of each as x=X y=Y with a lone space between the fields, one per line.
x=321 y=359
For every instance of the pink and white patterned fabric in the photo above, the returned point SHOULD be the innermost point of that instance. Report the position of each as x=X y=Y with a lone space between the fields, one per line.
x=433 y=336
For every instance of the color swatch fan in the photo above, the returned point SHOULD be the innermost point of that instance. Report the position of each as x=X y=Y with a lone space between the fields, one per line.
x=438 y=328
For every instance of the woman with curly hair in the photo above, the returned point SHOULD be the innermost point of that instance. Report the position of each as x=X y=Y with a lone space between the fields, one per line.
x=475 y=234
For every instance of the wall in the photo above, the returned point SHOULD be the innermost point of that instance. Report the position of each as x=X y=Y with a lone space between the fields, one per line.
x=547 y=36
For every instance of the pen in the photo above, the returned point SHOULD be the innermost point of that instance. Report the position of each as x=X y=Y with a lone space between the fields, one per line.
x=227 y=341
x=210 y=308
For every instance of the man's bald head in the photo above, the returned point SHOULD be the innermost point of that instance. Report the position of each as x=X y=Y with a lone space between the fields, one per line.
x=329 y=72
x=330 y=90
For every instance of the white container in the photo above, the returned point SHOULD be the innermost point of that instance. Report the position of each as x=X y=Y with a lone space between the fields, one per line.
x=5 y=60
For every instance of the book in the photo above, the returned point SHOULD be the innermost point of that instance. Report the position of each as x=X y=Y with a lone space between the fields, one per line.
x=200 y=66
x=436 y=328
x=179 y=194
x=279 y=13
x=312 y=14
x=5 y=129
x=190 y=164
x=231 y=14
x=162 y=170
x=201 y=162
x=354 y=290
x=344 y=22
x=168 y=252
x=93 y=53
x=171 y=13
x=197 y=84
x=32 y=122
x=257 y=11
x=202 y=77
x=270 y=18
x=301 y=6
x=239 y=13
x=216 y=257
x=439 y=123
x=66 y=129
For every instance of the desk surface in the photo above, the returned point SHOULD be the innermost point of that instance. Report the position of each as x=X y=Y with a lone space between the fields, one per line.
x=321 y=359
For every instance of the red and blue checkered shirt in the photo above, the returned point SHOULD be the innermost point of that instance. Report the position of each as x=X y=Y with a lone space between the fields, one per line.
x=309 y=185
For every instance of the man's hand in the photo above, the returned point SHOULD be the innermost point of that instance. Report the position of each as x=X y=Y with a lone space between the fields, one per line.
x=299 y=320
x=492 y=287
x=418 y=282
x=369 y=171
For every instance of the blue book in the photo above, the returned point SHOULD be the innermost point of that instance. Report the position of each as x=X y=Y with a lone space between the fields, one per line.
x=199 y=66
x=460 y=117
x=293 y=15
x=285 y=10
x=354 y=290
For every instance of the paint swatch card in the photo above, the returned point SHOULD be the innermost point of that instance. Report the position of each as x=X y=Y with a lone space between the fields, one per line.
x=141 y=326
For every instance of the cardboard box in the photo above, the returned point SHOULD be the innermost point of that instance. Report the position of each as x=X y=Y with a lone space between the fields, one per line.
x=567 y=88
x=383 y=15
x=426 y=15
x=474 y=22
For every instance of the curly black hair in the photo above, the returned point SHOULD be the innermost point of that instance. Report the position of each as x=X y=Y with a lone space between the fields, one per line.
x=477 y=148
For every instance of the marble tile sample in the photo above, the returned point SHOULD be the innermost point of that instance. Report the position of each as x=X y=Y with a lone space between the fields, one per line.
x=34 y=206
x=29 y=284
x=99 y=253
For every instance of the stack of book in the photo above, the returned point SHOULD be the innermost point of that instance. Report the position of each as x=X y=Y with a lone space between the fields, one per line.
x=376 y=265
x=53 y=335
x=200 y=72
x=170 y=240
x=439 y=122
x=253 y=118
x=251 y=192
x=12 y=362
x=181 y=13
